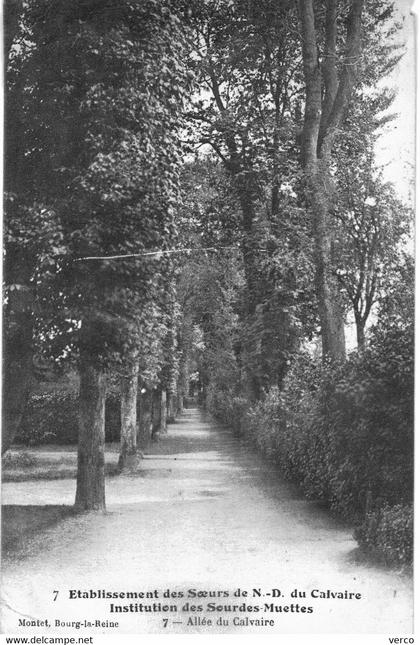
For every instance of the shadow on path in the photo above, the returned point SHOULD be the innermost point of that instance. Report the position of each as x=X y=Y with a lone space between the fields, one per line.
x=20 y=523
x=202 y=512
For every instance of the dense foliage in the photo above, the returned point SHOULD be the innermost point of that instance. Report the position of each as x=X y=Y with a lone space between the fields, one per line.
x=388 y=533
x=194 y=205
x=51 y=417
x=345 y=433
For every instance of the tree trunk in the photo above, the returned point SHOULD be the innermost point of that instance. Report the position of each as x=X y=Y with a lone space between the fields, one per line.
x=182 y=384
x=90 y=491
x=18 y=266
x=144 y=415
x=330 y=312
x=156 y=412
x=180 y=402
x=326 y=100
x=17 y=362
x=360 y=331
x=128 y=442
x=17 y=385
x=171 y=410
x=163 y=412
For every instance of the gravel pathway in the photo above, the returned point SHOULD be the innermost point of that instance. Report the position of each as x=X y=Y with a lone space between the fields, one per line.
x=204 y=514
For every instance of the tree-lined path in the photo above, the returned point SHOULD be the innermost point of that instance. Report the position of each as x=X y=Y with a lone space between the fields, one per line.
x=203 y=512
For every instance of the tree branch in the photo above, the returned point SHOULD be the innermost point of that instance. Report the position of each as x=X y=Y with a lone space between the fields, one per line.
x=348 y=76
x=313 y=89
x=329 y=66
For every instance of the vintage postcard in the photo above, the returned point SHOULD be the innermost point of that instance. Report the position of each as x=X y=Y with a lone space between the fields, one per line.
x=208 y=319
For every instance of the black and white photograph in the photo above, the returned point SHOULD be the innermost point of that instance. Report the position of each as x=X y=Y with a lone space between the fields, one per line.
x=208 y=319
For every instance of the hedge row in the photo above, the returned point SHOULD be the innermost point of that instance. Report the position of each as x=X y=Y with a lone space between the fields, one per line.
x=229 y=410
x=51 y=417
x=345 y=435
x=388 y=532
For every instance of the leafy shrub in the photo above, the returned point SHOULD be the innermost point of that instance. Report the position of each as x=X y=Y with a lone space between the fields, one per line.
x=52 y=417
x=345 y=435
x=18 y=460
x=228 y=409
x=112 y=416
x=388 y=532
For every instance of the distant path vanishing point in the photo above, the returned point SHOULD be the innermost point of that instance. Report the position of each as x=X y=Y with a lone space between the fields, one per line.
x=204 y=512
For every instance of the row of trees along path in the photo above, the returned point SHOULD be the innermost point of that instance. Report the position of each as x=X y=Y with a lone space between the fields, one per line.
x=244 y=132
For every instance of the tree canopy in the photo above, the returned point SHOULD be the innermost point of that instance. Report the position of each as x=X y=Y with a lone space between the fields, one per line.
x=192 y=197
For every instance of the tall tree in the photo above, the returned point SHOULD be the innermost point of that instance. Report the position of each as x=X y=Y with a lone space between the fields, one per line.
x=129 y=394
x=345 y=50
x=370 y=224
x=373 y=230
x=99 y=142
x=246 y=58
x=328 y=88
